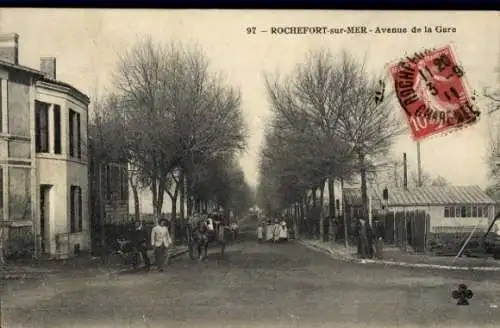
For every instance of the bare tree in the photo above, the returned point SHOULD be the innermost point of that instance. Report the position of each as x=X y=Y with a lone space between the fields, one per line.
x=307 y=107
x=425 y=179
x=428 y=180
x=369 y=123
x=177 y=114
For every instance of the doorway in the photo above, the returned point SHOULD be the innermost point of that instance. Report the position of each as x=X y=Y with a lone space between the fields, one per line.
x=45 y=217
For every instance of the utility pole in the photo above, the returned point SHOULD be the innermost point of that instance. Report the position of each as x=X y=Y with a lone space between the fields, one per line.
x=102 y=215
x=405 y=172
x=419 y=165
x=346 y=237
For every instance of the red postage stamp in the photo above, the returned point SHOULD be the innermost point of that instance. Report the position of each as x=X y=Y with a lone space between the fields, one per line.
x=431 y=89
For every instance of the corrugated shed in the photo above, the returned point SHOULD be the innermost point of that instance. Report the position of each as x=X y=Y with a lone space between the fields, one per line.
x=448 y=195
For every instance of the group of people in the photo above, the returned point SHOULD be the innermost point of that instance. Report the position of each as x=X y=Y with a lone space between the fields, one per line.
x=160 y=240
x=272 y=231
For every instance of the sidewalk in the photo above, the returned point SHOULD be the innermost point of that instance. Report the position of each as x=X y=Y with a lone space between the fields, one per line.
x=397 y=257
x=33 y=269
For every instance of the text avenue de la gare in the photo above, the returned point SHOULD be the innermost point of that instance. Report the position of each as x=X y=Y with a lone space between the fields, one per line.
x=359 y=30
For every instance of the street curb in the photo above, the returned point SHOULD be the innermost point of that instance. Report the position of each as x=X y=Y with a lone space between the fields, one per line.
x=20 y=275
x=345 y=258
x=171 y=256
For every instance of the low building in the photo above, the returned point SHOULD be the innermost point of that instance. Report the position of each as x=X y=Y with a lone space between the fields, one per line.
x=451 y=209
x=43 y=154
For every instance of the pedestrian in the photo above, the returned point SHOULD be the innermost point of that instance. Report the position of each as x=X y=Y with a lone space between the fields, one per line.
x=260 y=233
x=161 y=241
x=269 y=231
x=283 y=232
x=220 y=237
x=140 y=240
x=363 y=239
x=276 y=231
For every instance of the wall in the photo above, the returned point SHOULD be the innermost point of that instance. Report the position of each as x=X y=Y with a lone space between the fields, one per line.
x=439 y=223
x=61 y=171
x=17 y=180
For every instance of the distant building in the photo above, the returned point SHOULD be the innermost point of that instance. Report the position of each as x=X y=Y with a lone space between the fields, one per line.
x=43 y=154
x=112 y=176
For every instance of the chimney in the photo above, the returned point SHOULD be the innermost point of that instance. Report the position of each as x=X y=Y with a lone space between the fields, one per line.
x=48 y=67
x=9 y=48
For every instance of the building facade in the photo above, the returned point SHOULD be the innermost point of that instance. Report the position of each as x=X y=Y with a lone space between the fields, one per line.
x=44 y=160
x=451 y=209
x=109 y=193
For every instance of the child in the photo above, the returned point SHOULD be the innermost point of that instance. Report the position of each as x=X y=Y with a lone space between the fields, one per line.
x=260 y=233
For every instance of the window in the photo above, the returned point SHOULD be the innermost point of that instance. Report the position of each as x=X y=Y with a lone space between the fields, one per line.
x=19 y=194
x=76 y=209
x=74 y=134
x=452 y=212
x=57 y=129
x=446 y=212
x=463 y=211
x=458 y=212
x=42 y=127
x=486 y=211
x=469 y=211
x=19 y=149
x=474 y=211
x=78 y=137
x=18 y=106
x=479 y=211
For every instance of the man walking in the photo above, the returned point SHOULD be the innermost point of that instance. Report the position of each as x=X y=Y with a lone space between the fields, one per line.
x=161 y=241
x=260 y=233
x=140 y=239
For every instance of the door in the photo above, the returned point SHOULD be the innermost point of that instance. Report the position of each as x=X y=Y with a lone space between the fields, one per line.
x=45 y=217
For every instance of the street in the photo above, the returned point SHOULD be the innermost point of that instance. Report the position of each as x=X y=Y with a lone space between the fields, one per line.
x=257 y=285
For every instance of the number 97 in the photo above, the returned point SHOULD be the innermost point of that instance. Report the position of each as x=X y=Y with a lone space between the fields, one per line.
x=251 y=30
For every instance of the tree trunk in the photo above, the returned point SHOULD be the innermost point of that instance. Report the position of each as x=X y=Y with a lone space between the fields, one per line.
x=364 y=187
x=161 y=195
x=321 y=212
x=314 y=197
x=189 y=197
x=174 y=218
x=137 y=209
x=182 y=196
x=154 y=192
x=331 y=207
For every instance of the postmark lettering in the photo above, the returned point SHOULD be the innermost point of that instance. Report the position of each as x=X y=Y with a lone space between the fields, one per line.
x=431 y=90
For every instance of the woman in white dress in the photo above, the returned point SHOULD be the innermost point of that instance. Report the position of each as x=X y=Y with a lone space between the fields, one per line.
x=283 y=235
x=269 y=231
x=276 y=232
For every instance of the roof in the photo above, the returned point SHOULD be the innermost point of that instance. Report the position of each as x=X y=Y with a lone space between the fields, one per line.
x=21 y=68
x=83 y=97
x=434 y=195
x=42 y=78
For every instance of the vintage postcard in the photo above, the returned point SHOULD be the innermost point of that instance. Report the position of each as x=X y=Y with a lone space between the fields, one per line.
x=249 y=168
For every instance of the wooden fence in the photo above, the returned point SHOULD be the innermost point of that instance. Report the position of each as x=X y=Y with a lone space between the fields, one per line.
x=406 y=228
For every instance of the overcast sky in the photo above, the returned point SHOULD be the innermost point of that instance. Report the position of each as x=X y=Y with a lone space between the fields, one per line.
x=86 y=44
